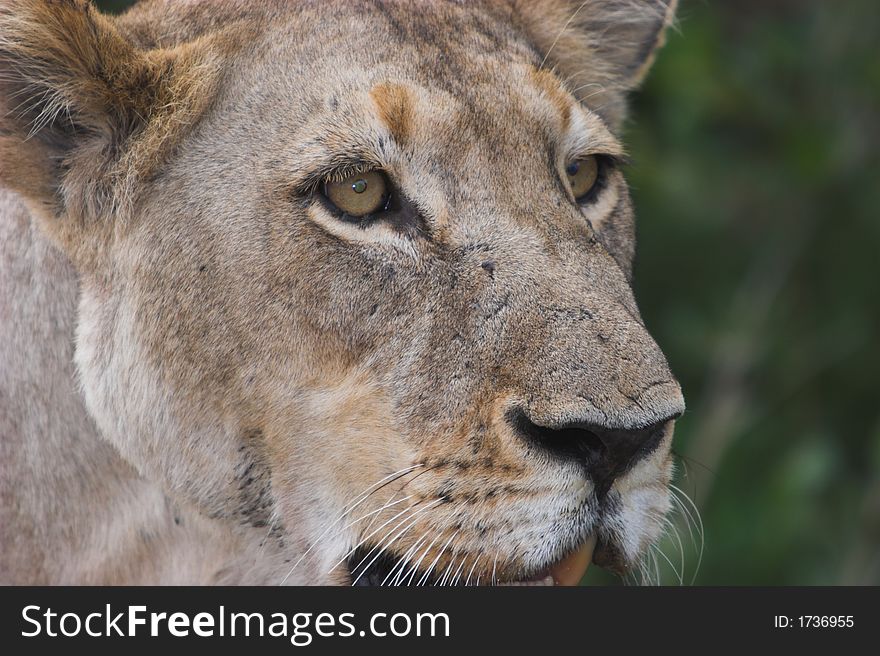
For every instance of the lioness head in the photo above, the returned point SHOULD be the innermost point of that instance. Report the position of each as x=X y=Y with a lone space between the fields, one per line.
x=356 y=275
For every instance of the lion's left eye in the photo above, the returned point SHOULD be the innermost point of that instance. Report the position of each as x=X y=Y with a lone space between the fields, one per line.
x=583 y=174
x=360 y=194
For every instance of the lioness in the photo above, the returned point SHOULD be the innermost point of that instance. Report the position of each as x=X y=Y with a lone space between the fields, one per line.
x=324 y=292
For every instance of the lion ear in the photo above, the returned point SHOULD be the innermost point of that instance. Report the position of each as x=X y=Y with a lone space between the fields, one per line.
x=602 y=48
x=84 y=112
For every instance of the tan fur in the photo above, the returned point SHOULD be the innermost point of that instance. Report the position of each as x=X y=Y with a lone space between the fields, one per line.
x=395 y=109
x=209 y=374
x=600 y=48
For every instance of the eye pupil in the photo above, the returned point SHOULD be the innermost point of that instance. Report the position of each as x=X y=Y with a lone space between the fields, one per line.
x=359 y=186
x=573 y=168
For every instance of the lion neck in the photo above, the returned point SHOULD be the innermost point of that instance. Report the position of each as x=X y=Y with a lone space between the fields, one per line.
x=73 y=511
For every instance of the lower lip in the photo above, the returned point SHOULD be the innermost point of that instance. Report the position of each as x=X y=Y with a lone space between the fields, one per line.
x=567 y=572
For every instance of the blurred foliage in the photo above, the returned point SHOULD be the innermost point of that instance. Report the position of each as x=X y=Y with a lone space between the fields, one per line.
x=757 y=184
x=756 y=180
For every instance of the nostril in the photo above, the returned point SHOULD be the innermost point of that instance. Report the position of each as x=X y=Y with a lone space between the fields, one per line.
x=605 y=453
x=573 y=442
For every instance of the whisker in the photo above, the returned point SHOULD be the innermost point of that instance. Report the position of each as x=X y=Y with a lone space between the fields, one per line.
x=561 y=32
x=437 y=558
x=670 y=532
x=410 y=555
x=457 y=574
x=678 y=491
x=584 y=86
x=358 y=500
x=682 y=495
x=402 y=560
x=382 y=547
x=686 y=513
x=376 y=530
x=379 y=510
x=415 y=566
x=678 y=575
x=468 y=581
x=686 y=517
x=403 y=488
x=448 y=571
x=396 y=531
x=412 y=519
x=641 y=573
x=674 y=530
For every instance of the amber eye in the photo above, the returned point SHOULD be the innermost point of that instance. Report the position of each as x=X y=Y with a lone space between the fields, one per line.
x=582 y=175
x=359 y=194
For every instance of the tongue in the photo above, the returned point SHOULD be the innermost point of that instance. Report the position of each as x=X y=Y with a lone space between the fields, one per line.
x=571 y=569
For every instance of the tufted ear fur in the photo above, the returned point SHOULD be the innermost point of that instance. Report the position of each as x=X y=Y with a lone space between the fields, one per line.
x=85 y=114
x=602 y=48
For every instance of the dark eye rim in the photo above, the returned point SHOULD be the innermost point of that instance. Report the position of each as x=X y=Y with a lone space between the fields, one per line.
x=398 y=212
x=605 y=165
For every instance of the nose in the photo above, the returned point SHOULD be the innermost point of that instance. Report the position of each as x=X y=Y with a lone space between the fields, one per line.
x=606 y=454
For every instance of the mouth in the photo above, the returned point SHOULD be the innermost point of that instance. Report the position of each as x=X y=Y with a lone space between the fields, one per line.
x=367 y=567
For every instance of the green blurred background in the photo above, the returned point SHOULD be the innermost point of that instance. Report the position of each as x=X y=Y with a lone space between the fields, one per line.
x=756 y=179
x=757 y=185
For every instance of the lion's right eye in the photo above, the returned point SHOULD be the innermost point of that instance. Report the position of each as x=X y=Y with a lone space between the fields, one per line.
x=583 y=174
x=360 y=194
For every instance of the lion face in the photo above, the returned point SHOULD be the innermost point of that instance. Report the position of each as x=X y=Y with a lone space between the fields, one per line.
x=453 y=387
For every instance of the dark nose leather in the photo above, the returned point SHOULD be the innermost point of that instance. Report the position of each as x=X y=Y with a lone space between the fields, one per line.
x=605 y=453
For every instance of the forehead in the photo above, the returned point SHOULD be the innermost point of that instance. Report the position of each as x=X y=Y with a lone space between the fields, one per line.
x=457 y=50
x=462 y=68
x=436 y=41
